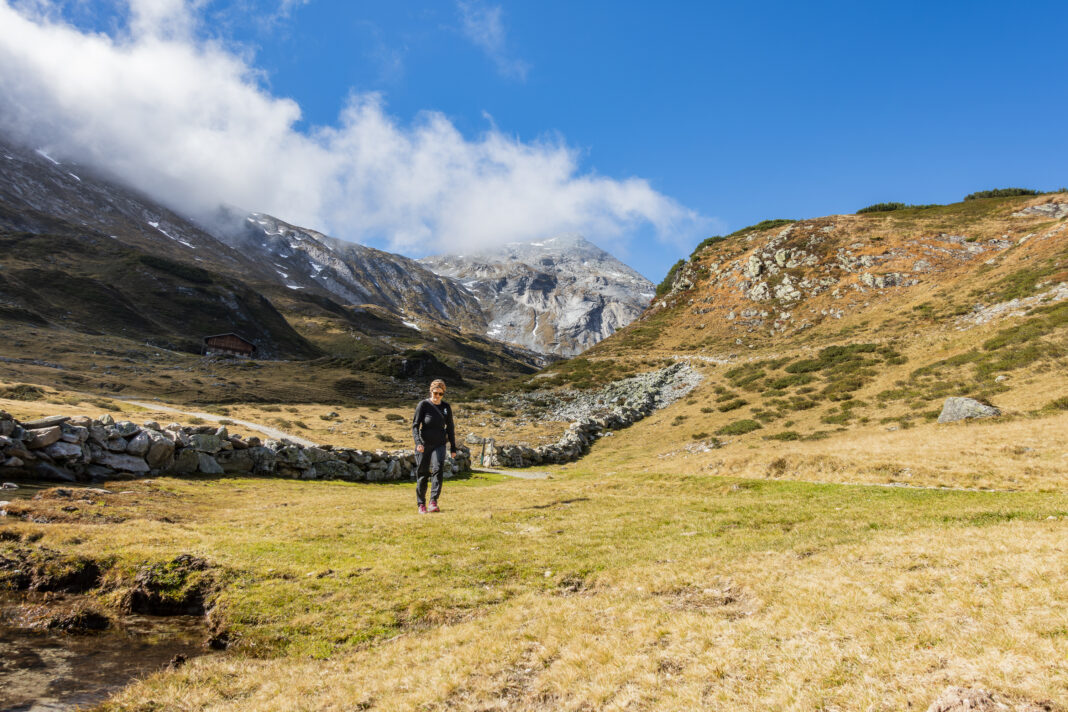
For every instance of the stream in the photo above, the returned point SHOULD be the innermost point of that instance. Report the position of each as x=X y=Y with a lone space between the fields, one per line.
x=45 y=671
x=42 y=671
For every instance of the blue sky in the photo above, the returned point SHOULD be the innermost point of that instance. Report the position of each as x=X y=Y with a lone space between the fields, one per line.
x=725 y=113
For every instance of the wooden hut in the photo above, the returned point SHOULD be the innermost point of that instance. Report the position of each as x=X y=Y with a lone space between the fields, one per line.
x=228 y=345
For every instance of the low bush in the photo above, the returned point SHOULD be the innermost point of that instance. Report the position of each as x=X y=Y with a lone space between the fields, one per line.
x=732 y=405
x=882 y=208
x=1001 y=193
x=394 y=416
x=22 y=392
x=739 y=427
x=785 y=435
x=1059 y=404
x=665 y=286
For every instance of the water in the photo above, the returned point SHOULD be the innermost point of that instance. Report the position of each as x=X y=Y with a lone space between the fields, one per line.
x=27 y=490
x=42 y=672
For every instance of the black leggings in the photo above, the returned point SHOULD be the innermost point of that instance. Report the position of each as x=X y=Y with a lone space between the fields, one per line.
x=429 y=464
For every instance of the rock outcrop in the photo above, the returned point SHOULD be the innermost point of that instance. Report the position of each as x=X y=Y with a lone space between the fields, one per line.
x=73 y=449
x=957 y=408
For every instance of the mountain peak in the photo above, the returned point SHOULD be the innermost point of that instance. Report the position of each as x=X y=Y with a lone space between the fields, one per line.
x=560 y=294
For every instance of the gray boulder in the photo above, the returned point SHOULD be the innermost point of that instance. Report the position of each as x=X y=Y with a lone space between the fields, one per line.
x=186 y=462
x=957 y=408
x=206 y=442
x=64 y=451
x=139 y=444
x=48 y=422
x=126 y=428
x=206 y=464
x=42 y=437
x=160 y=449
x=122 y=462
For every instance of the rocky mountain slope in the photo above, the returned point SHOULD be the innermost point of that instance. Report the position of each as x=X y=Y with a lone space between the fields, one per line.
x=560 y=295
x=853 y=324
x=85 y=255
x=356 y=274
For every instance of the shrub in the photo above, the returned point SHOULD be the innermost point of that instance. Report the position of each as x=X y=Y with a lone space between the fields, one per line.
x=385 y=438
x=394 y=416
x=732 y=405
x=882 y=208
x=665 y=286
x=707 y=242
x=22 y=392
x=795 y=379
x=763 y=225
x=1001 y=193
x=1059 y=404
x=784 y=435
x=699 y=436
x=739 y=427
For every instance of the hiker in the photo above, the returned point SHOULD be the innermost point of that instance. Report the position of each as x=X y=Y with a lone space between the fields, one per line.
x=431 y=426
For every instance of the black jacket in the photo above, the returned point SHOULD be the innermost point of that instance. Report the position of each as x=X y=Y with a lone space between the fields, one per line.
x=432 y=425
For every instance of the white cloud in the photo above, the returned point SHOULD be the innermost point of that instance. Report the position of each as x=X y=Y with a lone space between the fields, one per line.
x=190 y=123
x=482 y=24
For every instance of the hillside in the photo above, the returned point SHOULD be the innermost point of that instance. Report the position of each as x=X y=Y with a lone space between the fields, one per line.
x=98 y=280
x=857 y=325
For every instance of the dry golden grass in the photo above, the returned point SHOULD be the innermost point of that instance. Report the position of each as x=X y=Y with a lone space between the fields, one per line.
x=641 y=593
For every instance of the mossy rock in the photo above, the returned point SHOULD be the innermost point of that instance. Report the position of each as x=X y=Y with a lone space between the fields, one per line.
x=179 y=587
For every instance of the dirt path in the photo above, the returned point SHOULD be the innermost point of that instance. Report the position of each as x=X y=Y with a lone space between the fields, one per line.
x=521 y=474
x=269 y=432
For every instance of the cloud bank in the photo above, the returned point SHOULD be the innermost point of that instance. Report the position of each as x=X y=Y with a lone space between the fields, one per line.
x=189 y=121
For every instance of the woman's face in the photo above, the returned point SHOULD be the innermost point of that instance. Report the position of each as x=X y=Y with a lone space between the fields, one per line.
x=436 y=394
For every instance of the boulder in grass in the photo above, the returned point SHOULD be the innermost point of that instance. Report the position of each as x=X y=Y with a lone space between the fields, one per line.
x=957 y=408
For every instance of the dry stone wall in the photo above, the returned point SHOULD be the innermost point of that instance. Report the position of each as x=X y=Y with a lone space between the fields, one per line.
x=72 y=449
x=637 y=397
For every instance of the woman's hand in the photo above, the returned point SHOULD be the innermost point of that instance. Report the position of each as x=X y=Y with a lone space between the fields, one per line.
x=418 y=448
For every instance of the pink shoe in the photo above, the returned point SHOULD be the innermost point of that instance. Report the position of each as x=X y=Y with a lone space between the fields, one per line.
x=422 y=509
x=434 y=506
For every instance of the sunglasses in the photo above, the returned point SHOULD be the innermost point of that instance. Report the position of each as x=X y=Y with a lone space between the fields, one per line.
x=437 y=393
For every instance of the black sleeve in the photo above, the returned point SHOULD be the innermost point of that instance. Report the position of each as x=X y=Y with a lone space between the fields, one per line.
x=417 y=420
x=450 y=429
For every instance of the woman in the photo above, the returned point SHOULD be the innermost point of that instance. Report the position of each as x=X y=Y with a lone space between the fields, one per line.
x=431 y=426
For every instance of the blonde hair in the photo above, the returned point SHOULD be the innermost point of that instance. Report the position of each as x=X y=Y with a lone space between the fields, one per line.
x=437 y=382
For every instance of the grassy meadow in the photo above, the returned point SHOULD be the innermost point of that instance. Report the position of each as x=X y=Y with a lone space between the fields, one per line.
x=596 y=590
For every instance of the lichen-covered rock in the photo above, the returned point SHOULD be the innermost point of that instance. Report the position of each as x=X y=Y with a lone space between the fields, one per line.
x=958 y=408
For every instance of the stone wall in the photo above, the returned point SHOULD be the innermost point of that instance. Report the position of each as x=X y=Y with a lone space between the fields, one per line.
x=70 y=449
x=638 y=397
